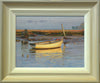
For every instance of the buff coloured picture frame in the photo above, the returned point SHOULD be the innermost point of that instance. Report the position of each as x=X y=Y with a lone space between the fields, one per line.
x=9 y=9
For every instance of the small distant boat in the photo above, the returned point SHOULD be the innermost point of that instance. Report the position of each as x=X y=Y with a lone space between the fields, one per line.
x=17 y=40
x=47 y=44
x=24 y=42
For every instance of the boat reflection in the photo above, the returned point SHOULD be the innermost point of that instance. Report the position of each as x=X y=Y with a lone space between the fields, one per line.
x=55 y=50
x=42 y=56
x=48 y=56
x=53 y=53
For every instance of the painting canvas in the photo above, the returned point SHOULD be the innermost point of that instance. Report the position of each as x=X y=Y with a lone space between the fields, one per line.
x=50 y=41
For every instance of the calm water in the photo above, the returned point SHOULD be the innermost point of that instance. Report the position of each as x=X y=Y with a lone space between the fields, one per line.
x=70 y=54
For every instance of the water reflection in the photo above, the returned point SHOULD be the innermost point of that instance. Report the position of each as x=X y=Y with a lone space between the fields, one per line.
x=50 y=57
x=49 y=51
x=69 y=55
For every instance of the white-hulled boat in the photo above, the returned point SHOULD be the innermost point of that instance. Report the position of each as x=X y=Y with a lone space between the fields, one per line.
x=47 y=44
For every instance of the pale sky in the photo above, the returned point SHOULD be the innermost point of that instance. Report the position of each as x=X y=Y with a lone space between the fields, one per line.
x=40 y=22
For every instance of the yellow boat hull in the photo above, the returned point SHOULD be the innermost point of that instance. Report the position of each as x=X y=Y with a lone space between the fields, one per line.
x=48 y=45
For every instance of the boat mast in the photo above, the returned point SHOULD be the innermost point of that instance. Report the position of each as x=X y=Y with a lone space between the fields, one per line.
x=63 y=30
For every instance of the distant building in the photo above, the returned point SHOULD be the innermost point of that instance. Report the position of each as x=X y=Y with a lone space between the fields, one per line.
x=81 y=26
x=74 y=27
x=78 y=27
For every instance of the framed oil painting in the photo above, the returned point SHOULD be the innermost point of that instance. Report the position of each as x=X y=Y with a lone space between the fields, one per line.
x=49 y=41
x=46 y=41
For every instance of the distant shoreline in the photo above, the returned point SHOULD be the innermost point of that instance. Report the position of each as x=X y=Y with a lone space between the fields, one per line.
x=51 y=30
